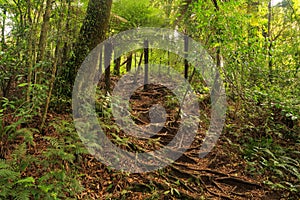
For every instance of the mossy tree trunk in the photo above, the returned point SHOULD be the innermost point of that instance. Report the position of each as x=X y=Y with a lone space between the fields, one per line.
x=92 y=32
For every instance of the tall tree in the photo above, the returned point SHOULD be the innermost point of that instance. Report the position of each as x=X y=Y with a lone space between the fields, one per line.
x=44 y=31
x=92 y=32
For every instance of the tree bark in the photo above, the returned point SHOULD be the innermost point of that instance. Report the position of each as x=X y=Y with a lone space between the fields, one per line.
x=117 y=64
x=29 y=60
x=146 y=52
x=44 y=31
x=129 y=62
x=92 y=32
x=66 y=47
x=43 y=37
x=107 y=58
x=3 y=28
x=51 y=84
x=186 y=63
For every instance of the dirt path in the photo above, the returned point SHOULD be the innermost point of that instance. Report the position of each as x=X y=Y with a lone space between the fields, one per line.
x=219 y=175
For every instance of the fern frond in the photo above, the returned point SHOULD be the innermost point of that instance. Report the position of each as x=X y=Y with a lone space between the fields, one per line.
x=6 y=174
x=53 y=141
x=3 y=164
x=22 y=194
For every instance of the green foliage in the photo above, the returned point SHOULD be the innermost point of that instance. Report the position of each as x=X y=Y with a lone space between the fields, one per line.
x=104 y=111
x=55 y=179
x=57 y=183
x=265 y=155
x=67 y=147
x=260 y=64
x=171 y=102
x=11 y=132
x=136 y=14
x=12 y=185
x=260 y=70
x=60 y=156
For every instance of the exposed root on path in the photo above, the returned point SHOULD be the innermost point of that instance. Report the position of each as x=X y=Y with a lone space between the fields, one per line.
x=220 y=175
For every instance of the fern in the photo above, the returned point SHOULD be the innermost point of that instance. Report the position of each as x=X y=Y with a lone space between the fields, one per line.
x=28 y=134
x=58 y=183
x=54 y=142
x=12 y=186
x=7 y=174
x=3 y=164
x=22 y=195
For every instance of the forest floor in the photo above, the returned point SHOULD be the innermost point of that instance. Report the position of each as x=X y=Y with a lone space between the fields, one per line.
x=219 y=175
x=222 y=174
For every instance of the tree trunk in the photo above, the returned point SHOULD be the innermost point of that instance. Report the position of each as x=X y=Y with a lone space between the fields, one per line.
x=107 y=58
x=29 y=59
x=43 y=37
x=44 y=31
x=117 y=64
x=57 y=59
x=3 y=28
x=92 y=32
x=129 y=62
x=66 y=47
x=146 y=52
x=138 y=68
x=183 y=11
x=100 y=60
x=51 y=84
x=218 y=51
x=186 y=63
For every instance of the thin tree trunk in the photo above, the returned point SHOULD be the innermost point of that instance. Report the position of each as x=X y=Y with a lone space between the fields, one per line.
x=52 y=80
x=43 y=37
x=146 y=52
x=129 y=62
x=168 y=62
x=138 y=68
x=135 y=59
x=218 y=51
x=3 y=28
x=65 y=50
x=107 y=59
x=100 y=60
x=183 y=9
x=29 y=52
x=186 y=63
x=216 y=88
x=117 y=64
x=53 y=73
x=44 y=31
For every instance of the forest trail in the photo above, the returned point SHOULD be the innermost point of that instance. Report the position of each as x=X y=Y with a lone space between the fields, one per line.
x=219 y=175
x=51 y=52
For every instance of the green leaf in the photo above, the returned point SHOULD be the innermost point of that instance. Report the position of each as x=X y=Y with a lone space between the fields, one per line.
x=22 y=84
x=26 y=180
